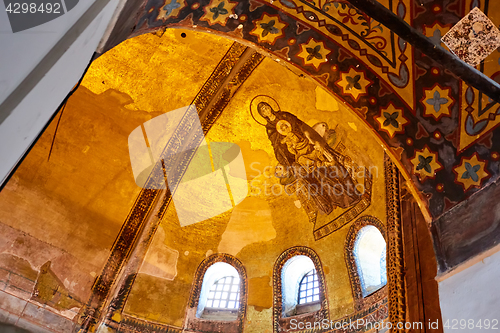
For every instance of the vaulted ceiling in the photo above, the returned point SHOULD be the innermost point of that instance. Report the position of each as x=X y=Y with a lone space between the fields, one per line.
x=326 y=63
x=76 y=196
x=443 y=125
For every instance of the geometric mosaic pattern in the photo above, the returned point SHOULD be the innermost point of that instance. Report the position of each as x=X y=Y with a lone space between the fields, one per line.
x=391 y=120
x=471 y=172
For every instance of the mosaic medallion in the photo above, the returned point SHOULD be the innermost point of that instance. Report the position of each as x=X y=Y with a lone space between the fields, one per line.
x=473 y=38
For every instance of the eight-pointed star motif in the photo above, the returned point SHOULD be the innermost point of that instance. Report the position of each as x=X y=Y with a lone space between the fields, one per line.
x=391 y=120
x=425 y=163
x=471 y=172
x=437 y=102
x=218 y=11
x=268 y=29
x=314 y=53
x=354 y=83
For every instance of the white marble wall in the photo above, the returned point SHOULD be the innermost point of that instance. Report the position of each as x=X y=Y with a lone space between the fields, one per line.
x=20 y=53
x=472 y=294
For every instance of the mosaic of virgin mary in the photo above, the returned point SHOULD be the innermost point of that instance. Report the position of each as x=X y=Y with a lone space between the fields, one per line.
x=307 y=163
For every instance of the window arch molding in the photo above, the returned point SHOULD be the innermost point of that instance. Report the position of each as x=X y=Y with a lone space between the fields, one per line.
x=205 y=325
x=359 y=301
x=279 y=321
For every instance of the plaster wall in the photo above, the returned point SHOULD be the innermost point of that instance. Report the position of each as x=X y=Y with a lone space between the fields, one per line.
x=472 y=294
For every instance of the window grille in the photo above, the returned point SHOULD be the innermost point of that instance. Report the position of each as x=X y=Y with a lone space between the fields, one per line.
x=225 y=293
x=309 y=288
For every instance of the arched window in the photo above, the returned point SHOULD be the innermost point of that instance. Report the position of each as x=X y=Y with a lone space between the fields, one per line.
x=298 y=286
x=219 y=297
x=370 y=252
x=299 y=289
x=365 y=254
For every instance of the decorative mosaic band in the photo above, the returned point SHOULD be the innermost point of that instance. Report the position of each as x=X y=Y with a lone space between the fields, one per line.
x=395 y=260
x=131 y=324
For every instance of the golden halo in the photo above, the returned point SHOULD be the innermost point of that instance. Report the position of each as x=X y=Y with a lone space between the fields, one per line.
x=279 y=127
x=253 y=107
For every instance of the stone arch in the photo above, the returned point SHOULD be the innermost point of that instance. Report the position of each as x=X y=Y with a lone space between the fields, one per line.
x=273 y=55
